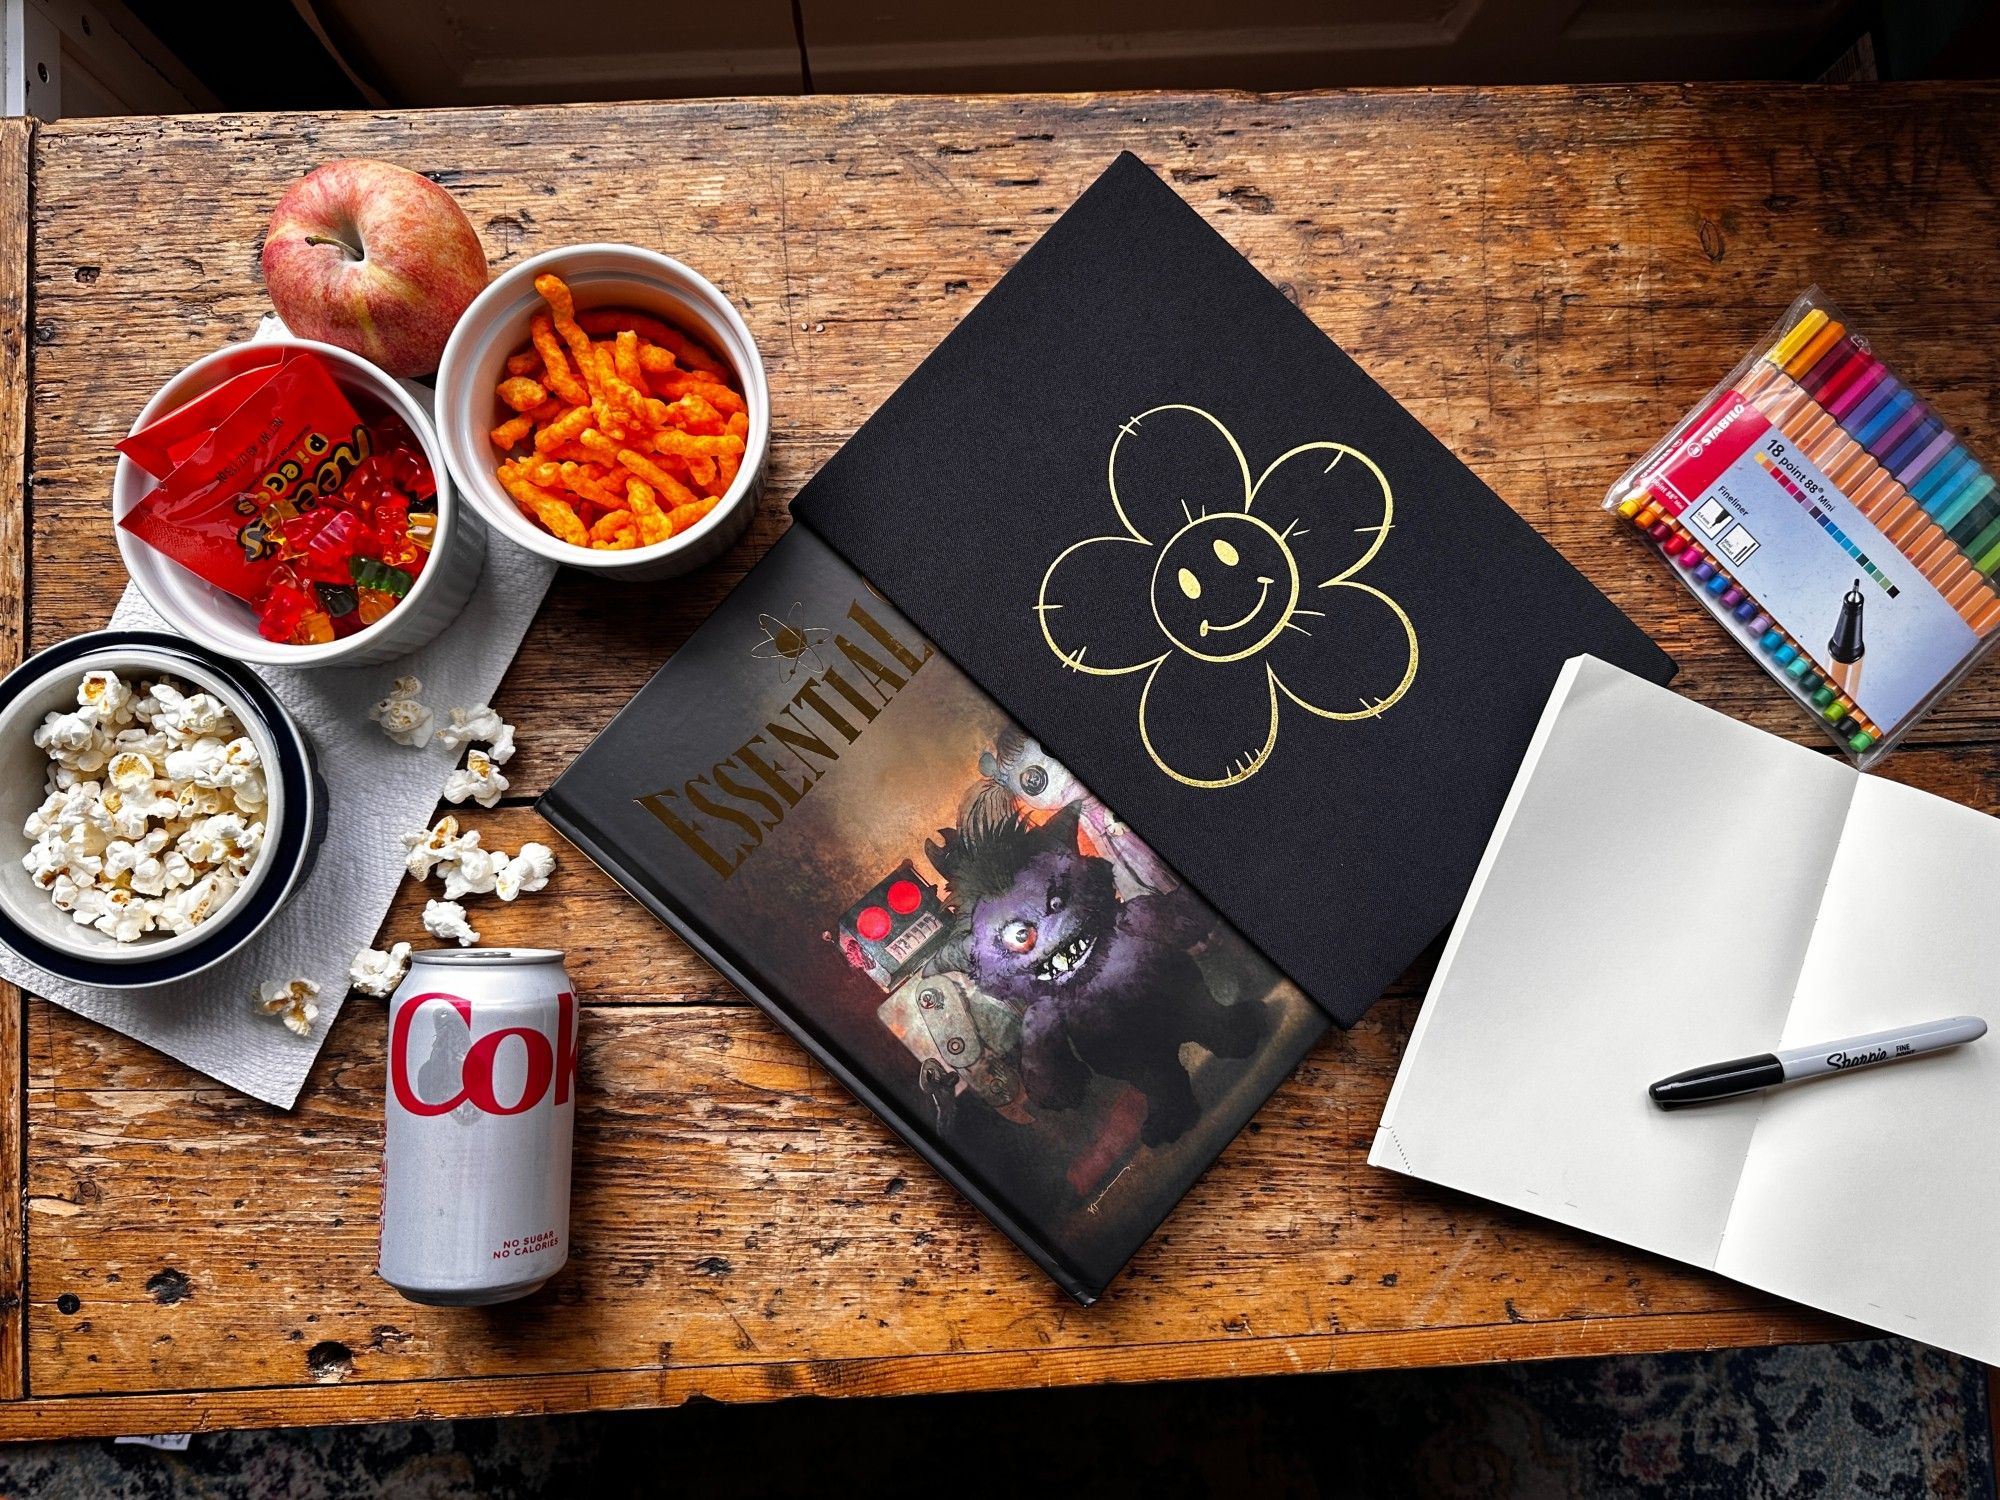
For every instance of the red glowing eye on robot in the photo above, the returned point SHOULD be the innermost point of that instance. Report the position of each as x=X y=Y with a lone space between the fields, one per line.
x=893 y=928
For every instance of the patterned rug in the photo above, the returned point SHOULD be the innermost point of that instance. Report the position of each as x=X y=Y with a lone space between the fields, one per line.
x=1881 y=1418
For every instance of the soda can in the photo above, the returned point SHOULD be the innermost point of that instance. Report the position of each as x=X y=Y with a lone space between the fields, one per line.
x=480 y=1111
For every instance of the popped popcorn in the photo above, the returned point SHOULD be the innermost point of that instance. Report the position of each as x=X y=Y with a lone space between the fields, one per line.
x=431 y=847
x=500 y=749
x=108 y=693
x=291 y=1001
x=474 y=872
x=476 y=725
x=526 y=871
x=402 y=717
x=479 y=779
x=374 y=972
x=447 y=919
x=151 y=816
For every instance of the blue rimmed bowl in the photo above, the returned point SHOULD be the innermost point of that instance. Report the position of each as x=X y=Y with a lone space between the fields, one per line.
x=32 y=928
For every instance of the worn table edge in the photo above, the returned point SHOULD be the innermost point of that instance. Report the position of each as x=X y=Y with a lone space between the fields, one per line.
x=668 y=1385
x=16 y=319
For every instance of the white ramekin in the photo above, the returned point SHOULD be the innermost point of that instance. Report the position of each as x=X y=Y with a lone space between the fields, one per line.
x=219 y=620
x=496 y=325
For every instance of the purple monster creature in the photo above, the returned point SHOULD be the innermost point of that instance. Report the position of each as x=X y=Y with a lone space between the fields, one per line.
x=1106 y=986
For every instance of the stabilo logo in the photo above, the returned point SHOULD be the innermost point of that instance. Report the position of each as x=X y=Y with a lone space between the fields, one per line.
x=548 y=1060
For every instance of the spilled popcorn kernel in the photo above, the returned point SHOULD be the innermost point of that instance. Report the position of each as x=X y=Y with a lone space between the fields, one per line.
x=524 y=872
x=447 y=919
x=402 y=717
x=478 y=779
x=375 y=972
x=293 y=1001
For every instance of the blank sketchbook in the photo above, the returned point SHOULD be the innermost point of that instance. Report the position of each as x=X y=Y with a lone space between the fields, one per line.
x=1667 y=887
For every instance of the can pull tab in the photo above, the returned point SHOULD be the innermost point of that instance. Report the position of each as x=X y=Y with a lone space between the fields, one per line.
x=1847 y=646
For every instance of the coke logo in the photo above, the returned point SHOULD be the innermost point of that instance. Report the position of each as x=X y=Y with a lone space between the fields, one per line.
x=547 y=1061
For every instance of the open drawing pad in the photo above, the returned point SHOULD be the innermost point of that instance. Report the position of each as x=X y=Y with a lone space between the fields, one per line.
x=1668 y=887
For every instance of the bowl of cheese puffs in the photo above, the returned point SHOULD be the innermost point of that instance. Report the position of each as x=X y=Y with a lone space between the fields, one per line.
x=605 y=406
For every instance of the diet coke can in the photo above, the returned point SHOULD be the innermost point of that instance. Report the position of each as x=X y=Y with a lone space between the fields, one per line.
x=481 y=1106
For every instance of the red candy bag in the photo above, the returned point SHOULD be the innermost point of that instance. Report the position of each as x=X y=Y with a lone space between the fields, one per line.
x=282 y=449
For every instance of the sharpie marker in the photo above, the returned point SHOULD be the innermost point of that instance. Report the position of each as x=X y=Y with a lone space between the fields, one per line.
x=1744 y=1075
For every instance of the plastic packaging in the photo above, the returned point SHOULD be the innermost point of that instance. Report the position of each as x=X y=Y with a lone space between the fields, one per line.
x=1833 y=523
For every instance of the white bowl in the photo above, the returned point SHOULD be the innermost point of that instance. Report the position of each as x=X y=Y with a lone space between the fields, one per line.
x=219 y=620
x=24 y=769
x=496 y=325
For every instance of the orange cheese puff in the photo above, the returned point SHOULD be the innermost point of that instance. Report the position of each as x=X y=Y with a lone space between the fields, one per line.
x=563 y=309
x=610 y=320
x=689 y=445
x=674 y=384
x=739 y=426
x=615 y=530
x=683 y=516
x=653 y=526
x=591 y=487
x=571 y=424
x=556 y=374
x=548 y=411
x=663 y=483
x=613 y=413
x=693 y=413
x=654 y=360
x=625 y=357
x=629 y=401
x=527 y=362
x=521 y=393
x=691 y=353
x=554 y=513
x=725 y=472
x=699 y=470
x=512 y=431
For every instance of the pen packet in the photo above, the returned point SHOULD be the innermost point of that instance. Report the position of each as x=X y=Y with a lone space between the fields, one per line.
x=1833 y=523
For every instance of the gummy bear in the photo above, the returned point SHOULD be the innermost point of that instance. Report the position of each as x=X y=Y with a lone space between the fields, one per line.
x=314 y=629
x=392 y=531
x=323 y=540
x=373 y=573
x=285 y=603
x=374 y=604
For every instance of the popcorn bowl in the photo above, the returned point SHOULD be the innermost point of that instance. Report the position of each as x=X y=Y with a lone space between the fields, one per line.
x=219 y=620
x=33 y=928
x=600 y=275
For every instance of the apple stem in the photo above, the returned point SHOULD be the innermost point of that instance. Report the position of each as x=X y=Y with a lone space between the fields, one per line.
x=328 y=239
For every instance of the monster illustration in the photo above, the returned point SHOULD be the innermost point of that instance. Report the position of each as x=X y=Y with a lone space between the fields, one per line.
x=1106 y=986
x=965 y=1042
x=1039 y=783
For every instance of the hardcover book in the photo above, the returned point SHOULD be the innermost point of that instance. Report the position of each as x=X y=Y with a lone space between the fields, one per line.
x=866 y=845
x=1205 y=560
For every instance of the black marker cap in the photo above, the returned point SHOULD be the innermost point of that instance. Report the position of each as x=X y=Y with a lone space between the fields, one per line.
x=1847 y=647
x=1740 y=1075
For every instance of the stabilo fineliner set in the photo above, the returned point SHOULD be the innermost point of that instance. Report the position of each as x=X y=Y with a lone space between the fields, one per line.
x=1834 y=524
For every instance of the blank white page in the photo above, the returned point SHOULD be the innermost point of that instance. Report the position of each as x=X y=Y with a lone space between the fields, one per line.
x=1876 y=1194
x=1643 y=907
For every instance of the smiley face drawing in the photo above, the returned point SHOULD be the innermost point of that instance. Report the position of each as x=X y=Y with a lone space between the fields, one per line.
x=1231 y=595
x=1241 y=559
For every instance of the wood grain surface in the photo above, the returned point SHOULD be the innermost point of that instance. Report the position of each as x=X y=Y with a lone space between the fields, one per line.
x=1548 y=278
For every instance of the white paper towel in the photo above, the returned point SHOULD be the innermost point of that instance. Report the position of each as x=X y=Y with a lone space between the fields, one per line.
x=376 y=791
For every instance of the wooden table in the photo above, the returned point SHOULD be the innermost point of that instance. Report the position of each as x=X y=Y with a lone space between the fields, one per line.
x=1546 y=277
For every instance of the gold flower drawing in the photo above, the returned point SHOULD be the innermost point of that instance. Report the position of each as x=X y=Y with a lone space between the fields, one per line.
x=1233 y=598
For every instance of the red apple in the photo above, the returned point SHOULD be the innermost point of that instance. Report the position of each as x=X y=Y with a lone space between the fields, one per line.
x=373 y=258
